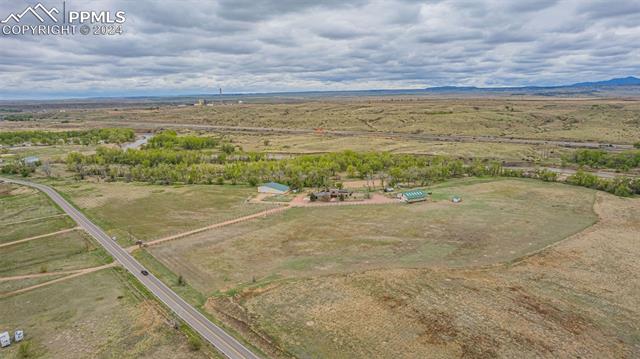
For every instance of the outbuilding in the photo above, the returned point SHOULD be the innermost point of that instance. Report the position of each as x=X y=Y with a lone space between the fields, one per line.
x=413 y=196
x=31 y=161
x=274 y=188
x=5 y=339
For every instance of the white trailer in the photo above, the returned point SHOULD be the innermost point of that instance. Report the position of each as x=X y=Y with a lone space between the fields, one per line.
x=5 y=339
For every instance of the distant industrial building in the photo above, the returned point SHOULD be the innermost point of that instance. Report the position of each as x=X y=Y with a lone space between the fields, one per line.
x=274 y=188
x=413 y=196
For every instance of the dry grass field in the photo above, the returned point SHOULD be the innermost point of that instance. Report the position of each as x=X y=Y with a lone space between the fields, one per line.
x=604 y=120
x=579 y=298
x=520 y=268
x=498 y=221
x=99 y=315
x=304 y=144
x=145 y=212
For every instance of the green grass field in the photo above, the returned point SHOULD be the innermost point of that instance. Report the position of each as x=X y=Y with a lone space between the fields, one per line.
x=26 y=213
x=145 y=212
x=68 y=251
x=99 y=315
x=498 y=221
x=9 y=286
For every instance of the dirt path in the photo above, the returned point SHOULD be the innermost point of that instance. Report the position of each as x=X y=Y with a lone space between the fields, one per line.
x=40 y=236
x=296 y=202
x=39 y=275
x=213 y=226
x=33 y=219
x=75 y=274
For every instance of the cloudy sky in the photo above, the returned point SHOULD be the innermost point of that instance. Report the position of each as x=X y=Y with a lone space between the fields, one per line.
x=181 y=47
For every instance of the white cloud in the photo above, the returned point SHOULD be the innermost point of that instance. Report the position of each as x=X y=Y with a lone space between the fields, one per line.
x=274 y=45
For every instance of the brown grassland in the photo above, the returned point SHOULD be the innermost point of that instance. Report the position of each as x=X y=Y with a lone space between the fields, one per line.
x=604 y=120
x=578 y=298
x=518 y=268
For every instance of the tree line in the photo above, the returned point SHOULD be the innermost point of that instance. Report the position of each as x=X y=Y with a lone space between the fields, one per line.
x=169 y=166
x=84 y=137
x=18 y=117
x=170 y=140
x=623 y=161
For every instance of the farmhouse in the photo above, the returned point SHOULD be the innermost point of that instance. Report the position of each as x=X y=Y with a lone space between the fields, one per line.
x=329 y=194
x=413 y=196
x=272 y=187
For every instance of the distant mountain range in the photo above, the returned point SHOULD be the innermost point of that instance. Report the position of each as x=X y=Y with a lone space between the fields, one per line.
x=621 y=81
x=626 y=87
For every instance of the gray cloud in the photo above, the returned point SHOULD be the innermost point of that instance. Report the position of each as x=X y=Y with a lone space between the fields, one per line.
x=174 y=47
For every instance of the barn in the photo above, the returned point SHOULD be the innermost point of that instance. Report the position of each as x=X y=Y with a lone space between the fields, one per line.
x=274 y=188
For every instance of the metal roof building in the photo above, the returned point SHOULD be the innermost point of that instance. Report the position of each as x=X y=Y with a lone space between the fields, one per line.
x=273 y=187
x=413 y=196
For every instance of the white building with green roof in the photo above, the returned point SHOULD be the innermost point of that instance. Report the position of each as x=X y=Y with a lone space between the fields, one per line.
x=413 y=196
x=273 y=187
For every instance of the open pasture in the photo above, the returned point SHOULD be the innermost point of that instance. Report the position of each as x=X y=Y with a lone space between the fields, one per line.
x=134 y=212
x=497 y=221
x=98 y=315
x=578 y=298
x=25 y=213
x=68 y=251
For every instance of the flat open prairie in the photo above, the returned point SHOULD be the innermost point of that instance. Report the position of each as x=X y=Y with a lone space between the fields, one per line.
x=144 y=212
x=320 y=143
x=578 y=298
x=497 y=221
x=602 y=120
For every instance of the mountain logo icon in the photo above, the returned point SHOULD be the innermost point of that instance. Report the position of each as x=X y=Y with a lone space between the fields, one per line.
x=39 y=11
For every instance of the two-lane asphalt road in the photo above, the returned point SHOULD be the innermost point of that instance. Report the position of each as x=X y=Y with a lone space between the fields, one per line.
x=224 y=342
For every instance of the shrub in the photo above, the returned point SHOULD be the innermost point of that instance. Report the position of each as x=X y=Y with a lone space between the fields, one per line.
x=195 y=343
x=25 y=350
